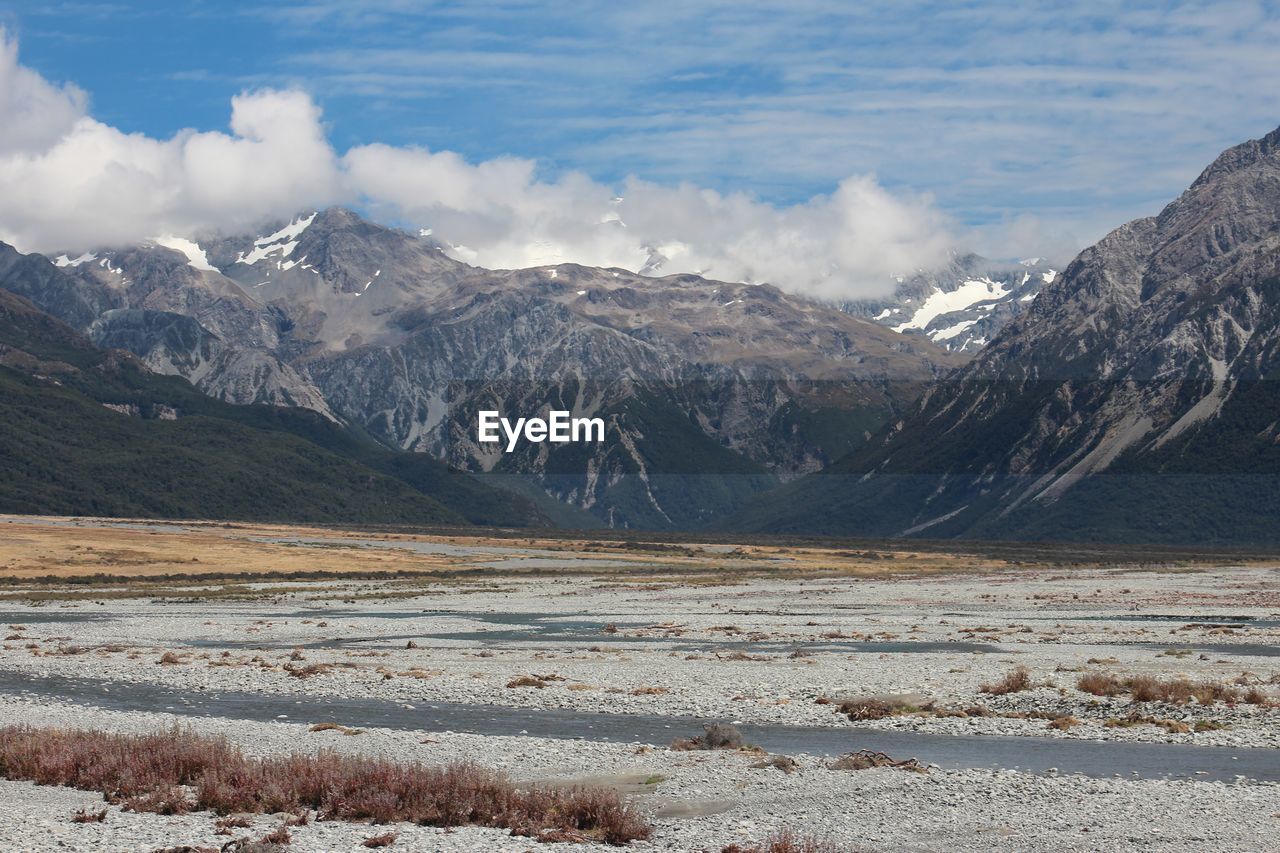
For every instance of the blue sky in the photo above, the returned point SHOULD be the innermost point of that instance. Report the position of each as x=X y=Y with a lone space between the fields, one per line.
x=1033 y=126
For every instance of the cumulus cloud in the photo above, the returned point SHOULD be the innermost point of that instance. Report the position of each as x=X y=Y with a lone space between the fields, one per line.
x=70 y=182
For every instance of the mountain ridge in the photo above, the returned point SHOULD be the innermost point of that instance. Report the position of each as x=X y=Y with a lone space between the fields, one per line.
x=1153 y=352
x=381 y=330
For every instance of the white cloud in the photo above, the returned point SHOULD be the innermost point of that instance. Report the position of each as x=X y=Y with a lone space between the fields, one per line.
x=70 y=182
x=35 y=112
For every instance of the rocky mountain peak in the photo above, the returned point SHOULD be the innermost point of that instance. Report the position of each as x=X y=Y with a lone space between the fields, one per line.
x=1137 y=392
x=1240 y=157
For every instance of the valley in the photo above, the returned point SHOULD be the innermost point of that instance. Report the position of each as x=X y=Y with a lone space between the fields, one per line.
x=1047 y=694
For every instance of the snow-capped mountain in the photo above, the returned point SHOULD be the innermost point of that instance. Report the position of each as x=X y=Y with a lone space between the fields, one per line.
x=1135 y=398
x=963 y=305
x=711 y=390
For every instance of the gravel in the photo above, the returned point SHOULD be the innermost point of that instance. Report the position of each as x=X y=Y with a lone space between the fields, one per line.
x=674 y=654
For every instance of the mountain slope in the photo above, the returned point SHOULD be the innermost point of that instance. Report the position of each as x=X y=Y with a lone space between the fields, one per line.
x=87 y=431
x=1134 y=400
x=710 y=391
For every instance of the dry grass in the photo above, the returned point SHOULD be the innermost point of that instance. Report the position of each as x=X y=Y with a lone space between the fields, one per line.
x=1099 y=684
x=176 y=771
x=1176 y=727
x=308 y=670
x=1014 y=681
x=335 y=727
x=859 y=710
x=1175 y=691
x=223 y=826
x=785 y=841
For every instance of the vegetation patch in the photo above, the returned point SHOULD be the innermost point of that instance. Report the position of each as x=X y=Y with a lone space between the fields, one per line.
x=1175 y=691
x=177 y=771
x=1014 y=681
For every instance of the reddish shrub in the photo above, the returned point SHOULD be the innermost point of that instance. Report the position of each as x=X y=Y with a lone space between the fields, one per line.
x=145 y=772
x=279 y=835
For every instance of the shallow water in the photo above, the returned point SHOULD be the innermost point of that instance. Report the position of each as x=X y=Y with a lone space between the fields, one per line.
x=34 y=616
x=1265 y=650
x=525 y=629
x=1031 y=754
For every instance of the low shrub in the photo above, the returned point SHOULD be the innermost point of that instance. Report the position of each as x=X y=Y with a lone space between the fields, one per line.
x=1147 y=688
x=177 y=771
x=1014 y=681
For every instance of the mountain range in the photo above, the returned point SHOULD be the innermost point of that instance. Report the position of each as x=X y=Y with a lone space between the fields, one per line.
x=1128 y=396
x=711 y=390
x=1135 y=399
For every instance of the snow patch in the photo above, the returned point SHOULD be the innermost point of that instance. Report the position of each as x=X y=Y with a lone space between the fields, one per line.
x=64 y=261
x=283 y=241
x=939 y=303
x=195 y=255
x=290 y=232
x=951 y=331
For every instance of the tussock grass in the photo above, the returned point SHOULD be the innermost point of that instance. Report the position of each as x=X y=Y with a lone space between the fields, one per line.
x=1014 y=681
x=177 y=771
x=1175 y=691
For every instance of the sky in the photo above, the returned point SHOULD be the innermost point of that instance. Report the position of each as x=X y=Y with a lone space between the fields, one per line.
x=823 y=146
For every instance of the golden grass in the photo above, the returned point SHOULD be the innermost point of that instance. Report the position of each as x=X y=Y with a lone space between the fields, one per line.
x=105 y=551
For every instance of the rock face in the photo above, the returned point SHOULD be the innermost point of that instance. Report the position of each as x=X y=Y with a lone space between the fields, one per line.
x=961 y=306
x=1135 y=398
x=710 y=391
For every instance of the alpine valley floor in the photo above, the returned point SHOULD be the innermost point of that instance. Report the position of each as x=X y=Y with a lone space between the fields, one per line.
x=1086 y=699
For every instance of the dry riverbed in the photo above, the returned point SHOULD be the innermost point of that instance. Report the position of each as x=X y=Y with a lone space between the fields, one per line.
x=1026 y=684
